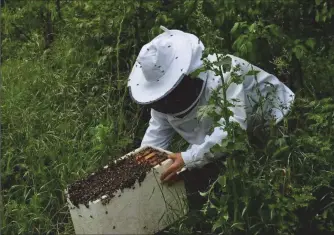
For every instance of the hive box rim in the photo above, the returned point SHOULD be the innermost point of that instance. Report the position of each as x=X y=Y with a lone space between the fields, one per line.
x=123 y=157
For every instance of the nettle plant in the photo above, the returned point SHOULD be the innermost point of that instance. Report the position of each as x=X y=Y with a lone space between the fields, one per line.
x=253 y=195
x=221 y=107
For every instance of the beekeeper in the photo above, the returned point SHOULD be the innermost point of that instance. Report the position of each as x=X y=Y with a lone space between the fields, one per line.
x=160 y=79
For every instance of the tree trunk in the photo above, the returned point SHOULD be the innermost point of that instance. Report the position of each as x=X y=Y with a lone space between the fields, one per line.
x=297 y=74
x=49 y=29
x=2 y=3
x=137 y=26
x=45 y=15
x=58 y=9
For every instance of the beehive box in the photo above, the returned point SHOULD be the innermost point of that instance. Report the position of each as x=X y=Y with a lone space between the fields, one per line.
x=137 y=205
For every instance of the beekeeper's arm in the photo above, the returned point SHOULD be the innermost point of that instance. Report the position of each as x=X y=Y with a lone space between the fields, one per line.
x=159 y=132
x=199 y=155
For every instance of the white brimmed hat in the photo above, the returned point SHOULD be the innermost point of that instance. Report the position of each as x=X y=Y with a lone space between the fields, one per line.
x=162 y=63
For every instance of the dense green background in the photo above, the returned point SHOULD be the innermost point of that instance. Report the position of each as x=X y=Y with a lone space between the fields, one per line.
x=65 y=107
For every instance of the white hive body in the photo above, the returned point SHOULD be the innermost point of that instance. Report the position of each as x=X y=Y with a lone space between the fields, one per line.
x=142 y=209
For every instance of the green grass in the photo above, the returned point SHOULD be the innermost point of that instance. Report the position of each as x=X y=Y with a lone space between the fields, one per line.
x=66 y=111
x=55 y=130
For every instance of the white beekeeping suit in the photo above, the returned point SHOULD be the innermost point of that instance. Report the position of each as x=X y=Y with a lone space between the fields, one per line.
x=196 y=131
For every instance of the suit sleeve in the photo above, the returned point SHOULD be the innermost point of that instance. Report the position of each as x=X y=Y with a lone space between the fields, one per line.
x=199 y=155
x=159 y=132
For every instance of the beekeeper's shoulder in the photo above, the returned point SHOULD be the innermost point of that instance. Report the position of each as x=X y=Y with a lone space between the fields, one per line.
x=245 y=66
x=234 y=60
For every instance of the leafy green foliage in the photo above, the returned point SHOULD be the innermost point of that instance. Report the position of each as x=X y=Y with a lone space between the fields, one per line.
x=66 y=109
x=285 y=185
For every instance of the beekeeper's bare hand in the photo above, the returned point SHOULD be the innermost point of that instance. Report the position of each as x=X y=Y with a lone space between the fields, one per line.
x=170 y=174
